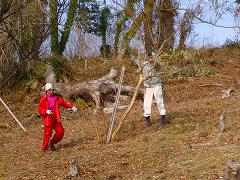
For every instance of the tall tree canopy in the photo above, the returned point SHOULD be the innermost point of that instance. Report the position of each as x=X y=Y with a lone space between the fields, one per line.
x=92 y=18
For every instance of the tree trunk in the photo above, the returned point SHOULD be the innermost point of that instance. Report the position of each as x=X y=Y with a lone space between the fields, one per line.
x=148 y=25
x=130 y=34
x=128 y=12
x=54 y=25
x=185 y=29
x=166 y=13
x=105 y=49
x=118 y=29
x=58 y=47
x=68 y=26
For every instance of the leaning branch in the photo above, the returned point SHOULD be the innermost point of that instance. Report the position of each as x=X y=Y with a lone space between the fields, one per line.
x=129 y=108
x=213 y=24
x=12 y=115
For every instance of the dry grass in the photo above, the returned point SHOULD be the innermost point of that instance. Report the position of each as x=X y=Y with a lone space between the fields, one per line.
x=188 y=148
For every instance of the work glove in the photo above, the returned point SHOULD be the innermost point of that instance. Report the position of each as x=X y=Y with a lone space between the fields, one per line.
x=74 y=109
x=49 y=112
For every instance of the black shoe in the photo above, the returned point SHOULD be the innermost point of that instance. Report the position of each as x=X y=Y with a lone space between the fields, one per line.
x=167 y=121
x=162 y=121
x=148 y=121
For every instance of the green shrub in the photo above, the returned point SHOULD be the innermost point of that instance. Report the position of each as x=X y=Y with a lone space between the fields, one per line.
x=57 y=63
x=24 y=76
x=232 y=44
x=172 y=55
x=210 y=73
x=61 y=67
x=81 y=102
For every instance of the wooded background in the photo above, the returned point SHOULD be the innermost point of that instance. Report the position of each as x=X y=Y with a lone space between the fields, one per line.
x=37 y=31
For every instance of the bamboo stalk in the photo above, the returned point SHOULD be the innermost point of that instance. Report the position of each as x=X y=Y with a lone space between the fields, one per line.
x=115 y=106
x=129 y=108
x=12 y=115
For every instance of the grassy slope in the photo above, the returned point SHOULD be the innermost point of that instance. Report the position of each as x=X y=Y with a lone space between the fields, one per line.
x=189 y=148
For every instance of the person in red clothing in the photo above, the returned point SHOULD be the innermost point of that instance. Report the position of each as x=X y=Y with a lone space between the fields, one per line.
x=48 y=108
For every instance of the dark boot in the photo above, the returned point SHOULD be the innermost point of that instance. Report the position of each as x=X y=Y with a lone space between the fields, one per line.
x=167 y=121
x=148 y=121
x=162 y=121
x=52 y=147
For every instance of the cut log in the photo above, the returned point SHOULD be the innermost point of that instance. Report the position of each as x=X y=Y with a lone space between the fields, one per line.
x=233 y=172
x=103 y=88
x=110 y=109
x=227 y=93
x=96 y=91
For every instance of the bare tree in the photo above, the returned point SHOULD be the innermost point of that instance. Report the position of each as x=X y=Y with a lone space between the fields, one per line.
x=148 y=25
x=22 y=32
x=186 y=25
x=127 y=13
x=166 y=14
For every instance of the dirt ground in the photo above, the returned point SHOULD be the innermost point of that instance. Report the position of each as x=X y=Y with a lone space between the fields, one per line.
x=190 y=147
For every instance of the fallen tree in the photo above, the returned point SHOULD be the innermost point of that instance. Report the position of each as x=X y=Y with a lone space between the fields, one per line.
x=100 y=91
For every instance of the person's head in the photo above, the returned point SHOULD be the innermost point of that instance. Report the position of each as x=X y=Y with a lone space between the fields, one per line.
x=49 y=88
x=151 y=54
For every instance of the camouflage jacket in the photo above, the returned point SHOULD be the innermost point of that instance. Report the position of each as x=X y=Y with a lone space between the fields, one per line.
x=150 y=72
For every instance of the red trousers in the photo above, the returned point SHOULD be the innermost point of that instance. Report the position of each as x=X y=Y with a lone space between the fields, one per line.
x=59 y=133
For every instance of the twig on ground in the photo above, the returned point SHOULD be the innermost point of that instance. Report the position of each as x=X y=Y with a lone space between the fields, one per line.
x=207 y=85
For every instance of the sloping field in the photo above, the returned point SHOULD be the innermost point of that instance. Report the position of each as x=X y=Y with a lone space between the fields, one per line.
x=190 y=147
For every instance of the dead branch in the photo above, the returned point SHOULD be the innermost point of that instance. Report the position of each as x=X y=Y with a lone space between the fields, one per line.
x=207 y=85
x=20 y=124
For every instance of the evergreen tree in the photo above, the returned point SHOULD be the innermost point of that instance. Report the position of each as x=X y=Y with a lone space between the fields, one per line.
x=93 y=19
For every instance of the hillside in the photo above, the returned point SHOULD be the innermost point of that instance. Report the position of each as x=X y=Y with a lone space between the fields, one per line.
x=190 y=147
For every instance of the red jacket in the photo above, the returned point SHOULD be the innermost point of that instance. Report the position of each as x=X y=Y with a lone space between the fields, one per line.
x=44 y=106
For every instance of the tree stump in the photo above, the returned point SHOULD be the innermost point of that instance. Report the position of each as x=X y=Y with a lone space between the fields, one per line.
x=233 y=172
